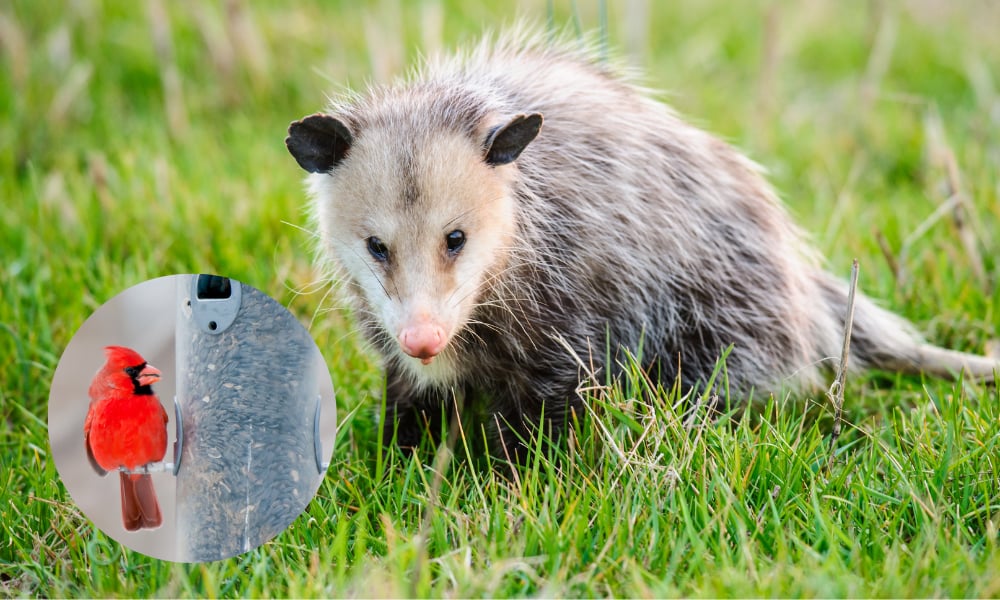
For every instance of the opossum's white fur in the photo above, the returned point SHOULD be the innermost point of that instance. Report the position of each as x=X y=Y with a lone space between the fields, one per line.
x=619 y=220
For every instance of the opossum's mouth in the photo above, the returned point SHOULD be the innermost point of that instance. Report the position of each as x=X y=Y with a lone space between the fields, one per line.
x=433 y=371
x=424 y=360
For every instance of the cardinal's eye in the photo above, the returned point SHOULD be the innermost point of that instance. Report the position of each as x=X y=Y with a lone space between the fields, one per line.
x=455 y=241
x=377 y=249
x=133 y=372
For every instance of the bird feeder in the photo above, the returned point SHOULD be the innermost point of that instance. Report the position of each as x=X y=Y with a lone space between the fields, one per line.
x=249 y=457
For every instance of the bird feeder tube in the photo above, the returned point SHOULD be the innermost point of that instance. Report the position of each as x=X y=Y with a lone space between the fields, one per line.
x=248 y=405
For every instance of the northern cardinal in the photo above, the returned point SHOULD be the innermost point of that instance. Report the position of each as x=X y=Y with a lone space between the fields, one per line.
x=127 y=427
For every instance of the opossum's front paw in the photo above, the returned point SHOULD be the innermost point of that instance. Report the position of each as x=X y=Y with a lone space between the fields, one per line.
x=516 y=433
x=512 y=440
x=407 y=428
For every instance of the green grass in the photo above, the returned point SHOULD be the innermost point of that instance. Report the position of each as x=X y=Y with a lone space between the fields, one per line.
x=110 y=178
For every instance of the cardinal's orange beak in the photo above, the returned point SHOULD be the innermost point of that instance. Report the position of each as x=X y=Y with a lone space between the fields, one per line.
x=149 y=375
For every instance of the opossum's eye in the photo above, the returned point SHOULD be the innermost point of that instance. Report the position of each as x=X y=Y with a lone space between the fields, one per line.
x=378 y=249
x=455 y=240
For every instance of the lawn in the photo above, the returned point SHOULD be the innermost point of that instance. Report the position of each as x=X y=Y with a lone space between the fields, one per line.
x=146 y=139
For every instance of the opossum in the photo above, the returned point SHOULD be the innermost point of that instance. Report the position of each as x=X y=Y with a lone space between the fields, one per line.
x=502 y=210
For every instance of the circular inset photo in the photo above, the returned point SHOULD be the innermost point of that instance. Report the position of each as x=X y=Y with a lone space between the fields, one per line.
x=192 y=418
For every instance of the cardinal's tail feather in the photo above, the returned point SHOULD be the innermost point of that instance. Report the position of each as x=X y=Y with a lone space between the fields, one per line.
x=140 y=510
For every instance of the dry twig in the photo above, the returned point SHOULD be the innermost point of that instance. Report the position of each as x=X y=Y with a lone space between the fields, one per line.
x=836 y=391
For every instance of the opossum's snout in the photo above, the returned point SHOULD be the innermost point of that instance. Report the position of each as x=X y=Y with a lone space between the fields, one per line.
x=423 y=329
x=423 y=340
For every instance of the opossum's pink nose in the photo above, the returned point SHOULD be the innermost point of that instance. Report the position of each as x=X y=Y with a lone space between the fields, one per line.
x=423 y=341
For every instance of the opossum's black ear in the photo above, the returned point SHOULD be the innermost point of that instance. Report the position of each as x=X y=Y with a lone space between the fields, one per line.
x=505 y=143
x=318 y=142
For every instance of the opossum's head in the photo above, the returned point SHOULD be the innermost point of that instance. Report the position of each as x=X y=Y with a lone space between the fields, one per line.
x=420 y=218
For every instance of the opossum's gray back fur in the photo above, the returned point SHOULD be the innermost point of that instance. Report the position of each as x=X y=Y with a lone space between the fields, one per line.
x=633 y=224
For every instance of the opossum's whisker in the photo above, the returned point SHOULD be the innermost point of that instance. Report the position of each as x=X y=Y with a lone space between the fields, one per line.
x=521 y=323
x=344 y=337
x=471 y=210
x=366 y=312
x=326 y=296
x=311 y=233
x=461 y=337
x=368 y=266
x=502 y=301
x=504 y=297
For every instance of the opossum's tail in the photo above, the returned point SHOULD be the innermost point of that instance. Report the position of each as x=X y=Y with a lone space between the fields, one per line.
x=883 y=340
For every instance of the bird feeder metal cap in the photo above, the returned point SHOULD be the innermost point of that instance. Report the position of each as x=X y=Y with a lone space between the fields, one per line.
x=215 y=302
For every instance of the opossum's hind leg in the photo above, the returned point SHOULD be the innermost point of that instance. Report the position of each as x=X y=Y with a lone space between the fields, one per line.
x=411 y=413
x=883 y=340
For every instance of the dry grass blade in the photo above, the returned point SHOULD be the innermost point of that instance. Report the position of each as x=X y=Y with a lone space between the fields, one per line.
x=246 y=38
x=880 y=56
x=15 y=45
x=73 y=88
x=770 y=55
x=170 y=76
x=890 y=258
x=442 y=458
x=942 y=156
x=836 y=391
